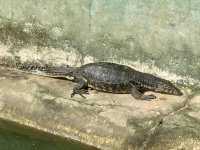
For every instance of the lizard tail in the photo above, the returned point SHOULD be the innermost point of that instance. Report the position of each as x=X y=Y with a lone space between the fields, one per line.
x=50 y=70
x=61 y=71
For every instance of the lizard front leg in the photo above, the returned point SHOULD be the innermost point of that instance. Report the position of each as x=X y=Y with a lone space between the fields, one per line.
x=80 y=88
x=140 y=95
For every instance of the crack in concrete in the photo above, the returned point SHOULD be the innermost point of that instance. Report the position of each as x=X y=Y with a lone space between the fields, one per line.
x=97 y=105
x=152 y=132
x=90 y=15
x=155 y=129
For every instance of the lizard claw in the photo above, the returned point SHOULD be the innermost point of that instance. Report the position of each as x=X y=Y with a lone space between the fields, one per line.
x=80 y=92
x=72 y=94
x=148 y=97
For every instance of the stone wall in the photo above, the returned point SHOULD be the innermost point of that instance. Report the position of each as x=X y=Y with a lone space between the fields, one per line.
x=157 y=33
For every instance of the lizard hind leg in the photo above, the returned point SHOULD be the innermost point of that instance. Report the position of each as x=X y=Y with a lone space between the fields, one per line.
x=80 y=89
x=140 y=95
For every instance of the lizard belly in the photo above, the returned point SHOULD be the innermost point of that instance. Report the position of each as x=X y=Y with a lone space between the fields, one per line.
x=111 y=88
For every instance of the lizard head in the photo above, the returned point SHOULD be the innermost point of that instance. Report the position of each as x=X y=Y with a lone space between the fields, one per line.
x=167 y=87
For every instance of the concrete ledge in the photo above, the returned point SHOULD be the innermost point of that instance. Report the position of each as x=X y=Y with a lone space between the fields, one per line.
x=106 y=121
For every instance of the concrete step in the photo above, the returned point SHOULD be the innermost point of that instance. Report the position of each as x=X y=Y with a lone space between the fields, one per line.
x=104 y=120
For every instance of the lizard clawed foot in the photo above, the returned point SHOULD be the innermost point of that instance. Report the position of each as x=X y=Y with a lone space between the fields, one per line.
x=79 y=92
x=148 y=97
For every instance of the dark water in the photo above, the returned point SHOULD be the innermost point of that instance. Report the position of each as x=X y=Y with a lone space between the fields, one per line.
x=13 y=137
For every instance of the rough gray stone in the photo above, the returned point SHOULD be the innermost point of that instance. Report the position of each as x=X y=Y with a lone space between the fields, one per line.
x=107 y=121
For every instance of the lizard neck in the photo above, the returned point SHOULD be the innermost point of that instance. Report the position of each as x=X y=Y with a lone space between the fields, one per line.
x=148 y=82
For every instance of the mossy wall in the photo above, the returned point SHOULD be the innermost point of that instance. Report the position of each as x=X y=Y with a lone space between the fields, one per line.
x=162 y=33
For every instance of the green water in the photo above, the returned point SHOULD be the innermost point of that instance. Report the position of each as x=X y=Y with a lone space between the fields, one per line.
x=13 y=138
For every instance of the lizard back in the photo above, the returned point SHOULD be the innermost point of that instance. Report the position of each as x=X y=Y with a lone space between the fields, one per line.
x=116 y=78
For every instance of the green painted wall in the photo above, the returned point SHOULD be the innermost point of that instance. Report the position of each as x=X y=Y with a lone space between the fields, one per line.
x=164 y=33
